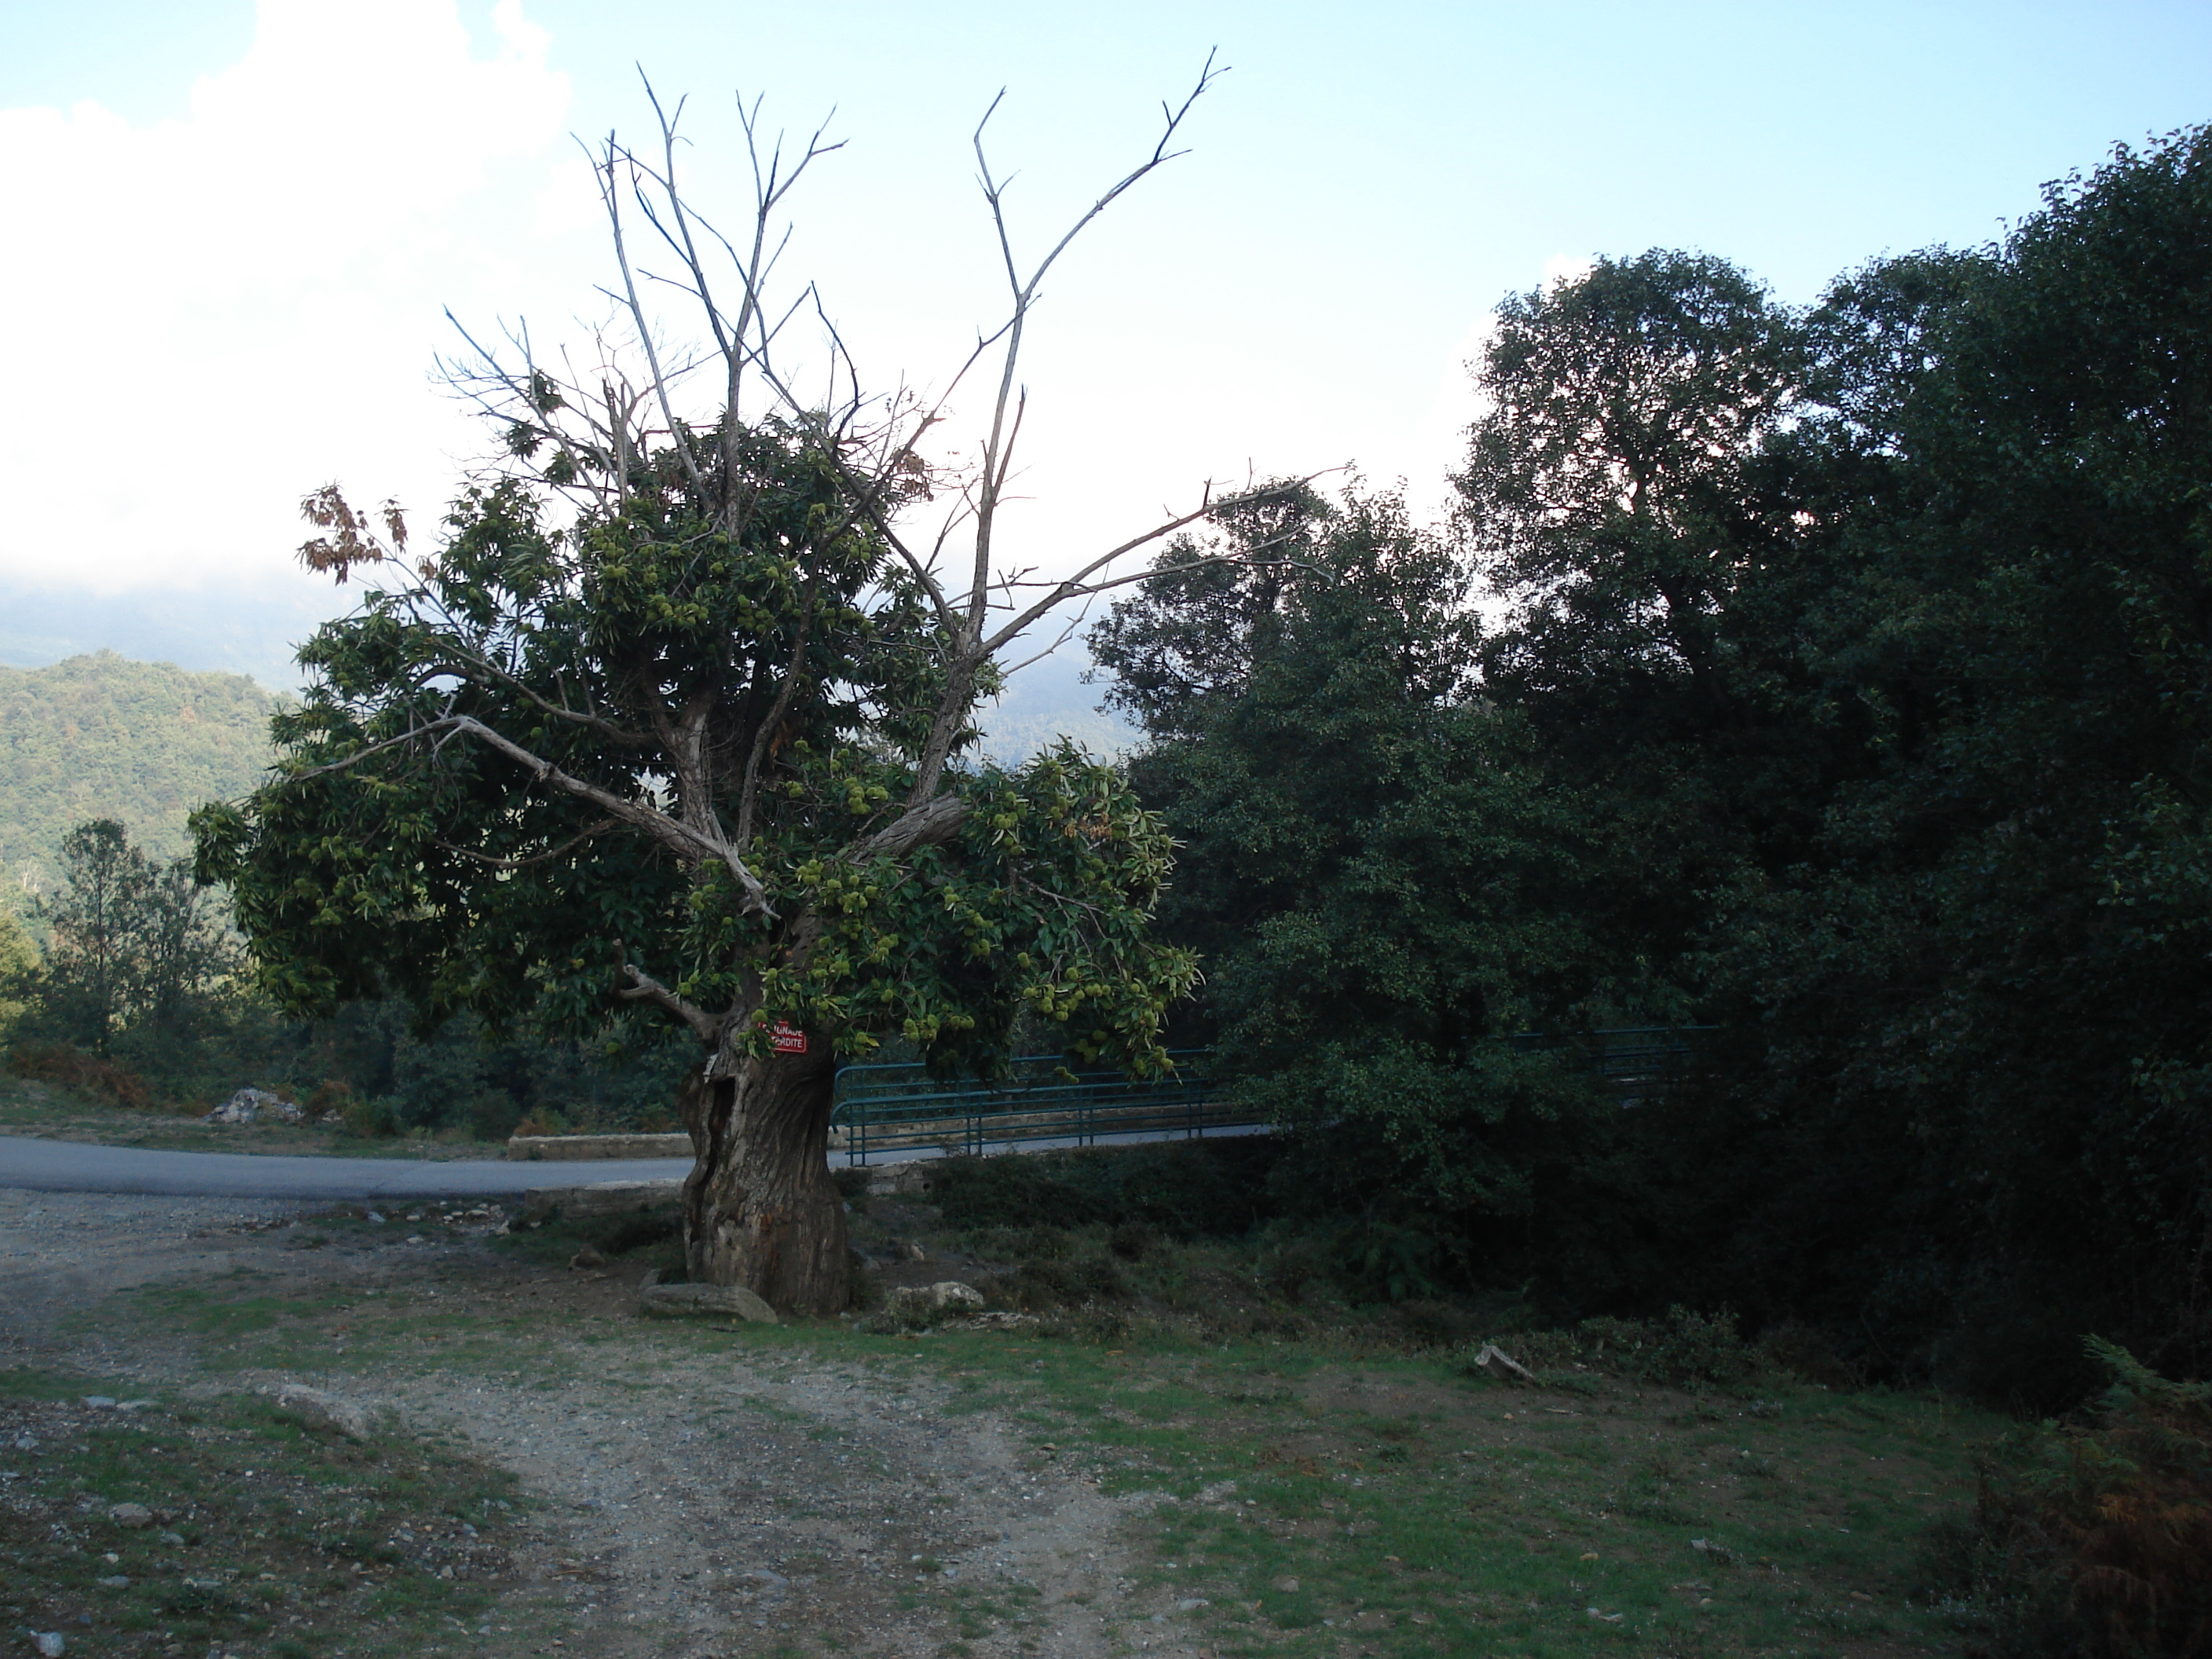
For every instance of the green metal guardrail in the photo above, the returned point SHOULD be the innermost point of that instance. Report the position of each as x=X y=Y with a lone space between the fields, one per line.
x=896 y=1108
x=901 y=1107
x=1636 y=1062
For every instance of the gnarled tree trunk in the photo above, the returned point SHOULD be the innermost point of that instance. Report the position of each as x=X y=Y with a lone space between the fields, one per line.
x=760 y=1209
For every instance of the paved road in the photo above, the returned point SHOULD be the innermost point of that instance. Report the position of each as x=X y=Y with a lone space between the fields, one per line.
x=72 y=1166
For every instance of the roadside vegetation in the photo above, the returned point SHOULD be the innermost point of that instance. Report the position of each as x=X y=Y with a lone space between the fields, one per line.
x=123 y=990
x=33 y=1106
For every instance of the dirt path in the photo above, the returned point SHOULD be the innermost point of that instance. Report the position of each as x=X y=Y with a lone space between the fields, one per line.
x=715 y=1499
x=700 y=1503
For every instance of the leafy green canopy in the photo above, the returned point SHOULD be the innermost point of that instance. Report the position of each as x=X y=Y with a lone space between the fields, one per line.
x=661 y=757
x=1384 y=886
x=19 y=967
x=1848 y=692
x=1988 y=981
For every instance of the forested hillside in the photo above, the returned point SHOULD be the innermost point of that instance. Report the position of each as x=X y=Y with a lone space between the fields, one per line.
x=103 y=737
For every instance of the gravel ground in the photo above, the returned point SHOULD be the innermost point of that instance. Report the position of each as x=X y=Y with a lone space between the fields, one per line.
x=701 y=1504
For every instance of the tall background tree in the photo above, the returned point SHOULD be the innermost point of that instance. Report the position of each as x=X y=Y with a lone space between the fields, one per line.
x=136 y=952
x=1845 y=691
x=1987 y=986
x=99 y=922
x=675 y=720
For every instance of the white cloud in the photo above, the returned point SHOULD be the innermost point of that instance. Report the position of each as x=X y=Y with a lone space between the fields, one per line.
x=209 y=316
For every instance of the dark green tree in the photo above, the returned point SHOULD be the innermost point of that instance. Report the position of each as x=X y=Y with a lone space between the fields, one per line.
x=1851 y=694
x=19 y=973
x=98 y=924
x=1989 y=982
x=188 y=958
x=1385 y=887
x=1606 y=486
x=674 y=721
x=136 y=949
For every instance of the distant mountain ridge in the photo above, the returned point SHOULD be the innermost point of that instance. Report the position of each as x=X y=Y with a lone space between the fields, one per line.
x=1048 y=700
x=103 y=736
x=248 y=627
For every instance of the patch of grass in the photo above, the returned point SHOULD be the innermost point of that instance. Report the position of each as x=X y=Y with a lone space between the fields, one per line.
x=246 y=1322
x=261 y=1532
x=1318 y=1492
x=653 y=1238
x=1309 y=1498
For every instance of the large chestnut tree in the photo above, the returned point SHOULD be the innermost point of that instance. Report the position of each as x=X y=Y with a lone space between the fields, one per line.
x=677 y=719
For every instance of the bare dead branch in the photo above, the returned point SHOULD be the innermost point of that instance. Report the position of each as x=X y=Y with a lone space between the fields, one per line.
x=1087 y=580
x=610 y=194
x=997 y=446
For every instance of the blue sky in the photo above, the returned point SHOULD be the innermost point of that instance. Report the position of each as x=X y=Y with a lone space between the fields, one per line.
x=237 y=226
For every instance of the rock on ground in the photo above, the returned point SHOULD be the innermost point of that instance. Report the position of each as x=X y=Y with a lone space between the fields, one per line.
x=733 y=1301
x=946 y=1296
x=250 y=1105
x=319 y=1410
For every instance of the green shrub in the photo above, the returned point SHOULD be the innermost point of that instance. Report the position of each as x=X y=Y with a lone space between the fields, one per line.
x=330 y=1097
x=372 y=1117
x=58 y=1062
x=492 y=1114
x=1182 y=1189
x=1130 y=1240
x=1011 y=1191
x=1069 y=1281
x=1410 y=1259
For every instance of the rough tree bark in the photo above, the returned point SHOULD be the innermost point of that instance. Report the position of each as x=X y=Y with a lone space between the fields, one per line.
x=759 y=1208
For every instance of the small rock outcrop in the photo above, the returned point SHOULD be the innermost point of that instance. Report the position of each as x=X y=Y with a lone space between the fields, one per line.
x=253 y=1105
x=908 y=1180
x=729 y=1301
x=133 y=1515
x=946 y=1296
x=319 y=1410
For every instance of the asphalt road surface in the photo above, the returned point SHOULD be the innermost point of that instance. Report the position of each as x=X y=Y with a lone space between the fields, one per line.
x=72 y=1166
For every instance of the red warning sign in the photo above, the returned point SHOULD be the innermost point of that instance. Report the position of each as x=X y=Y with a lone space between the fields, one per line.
x=786 y=1039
